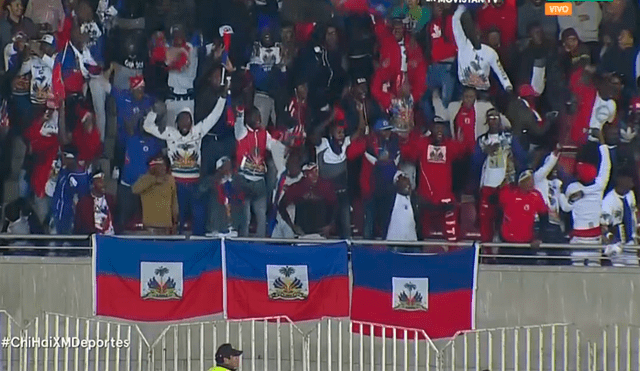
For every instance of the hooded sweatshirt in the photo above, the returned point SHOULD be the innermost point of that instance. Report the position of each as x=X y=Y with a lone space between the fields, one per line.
x=184 y=150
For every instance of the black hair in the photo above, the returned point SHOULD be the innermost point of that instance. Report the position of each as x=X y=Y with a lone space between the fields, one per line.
x=533 y=24
x=252 y=112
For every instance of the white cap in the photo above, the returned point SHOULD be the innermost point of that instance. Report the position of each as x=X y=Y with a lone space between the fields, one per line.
x=398 y=175
x=221 y=161
x=47 y=39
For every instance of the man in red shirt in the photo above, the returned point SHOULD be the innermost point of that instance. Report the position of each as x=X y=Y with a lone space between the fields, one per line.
x=316 y=204
x=435 y=155
x=520 y=205
x=504 y=16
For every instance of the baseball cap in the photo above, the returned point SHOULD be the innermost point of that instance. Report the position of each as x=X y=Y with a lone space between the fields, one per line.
x=524 y=175
x=226 y=351
x=69 y=151
x=382 y=124
x=47 y=39
x=221 y=161
x=309 y=166
x=398 y=175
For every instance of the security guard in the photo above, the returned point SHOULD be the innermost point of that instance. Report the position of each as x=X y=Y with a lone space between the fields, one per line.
x=227 y=358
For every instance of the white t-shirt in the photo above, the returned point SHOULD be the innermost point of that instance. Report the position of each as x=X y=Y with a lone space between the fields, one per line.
x=402 y=226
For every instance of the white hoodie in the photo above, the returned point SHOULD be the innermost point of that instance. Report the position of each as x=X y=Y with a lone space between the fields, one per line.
x=474 y=66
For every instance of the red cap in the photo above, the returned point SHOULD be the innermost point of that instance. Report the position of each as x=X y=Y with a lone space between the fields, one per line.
x=634 y=104
x=136 y=82
x=526 y=91
x=586 y=172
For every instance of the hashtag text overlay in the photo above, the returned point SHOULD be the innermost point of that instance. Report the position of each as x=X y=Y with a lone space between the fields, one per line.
x=62 y=342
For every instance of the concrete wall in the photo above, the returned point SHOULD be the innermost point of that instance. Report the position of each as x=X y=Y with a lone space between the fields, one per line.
x=507 y=296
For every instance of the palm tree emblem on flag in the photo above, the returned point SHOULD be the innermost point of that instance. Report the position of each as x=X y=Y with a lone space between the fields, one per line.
x=161 y=286
x=410 y=295
x=288 y=282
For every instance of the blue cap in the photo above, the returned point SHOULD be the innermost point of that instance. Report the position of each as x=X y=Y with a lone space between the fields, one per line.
x=382 y=124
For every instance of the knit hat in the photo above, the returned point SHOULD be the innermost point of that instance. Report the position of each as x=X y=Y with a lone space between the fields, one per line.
x=585 y=172
x=569 y=32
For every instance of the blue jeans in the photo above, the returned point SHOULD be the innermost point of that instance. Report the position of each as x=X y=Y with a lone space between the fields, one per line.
x=440 y=76
x=191 y=206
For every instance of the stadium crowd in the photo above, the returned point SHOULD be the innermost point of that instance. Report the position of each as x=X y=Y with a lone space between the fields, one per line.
x=375 y=118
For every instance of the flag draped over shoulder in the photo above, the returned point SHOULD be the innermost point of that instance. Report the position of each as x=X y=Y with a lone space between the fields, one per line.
x=300 y=282
x=157 y=280
x=434 y=293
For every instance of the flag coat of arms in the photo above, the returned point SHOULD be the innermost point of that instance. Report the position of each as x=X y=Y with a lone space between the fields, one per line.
x=157 y=280
x=434 y=293
x=300 y=282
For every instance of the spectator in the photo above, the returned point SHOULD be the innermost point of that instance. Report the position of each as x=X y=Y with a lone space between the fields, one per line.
x=316 y=204
x=575 y=53
x=381 y=152
x=520 y=205
x=331 y=154
x=359 y=106
x=618 y=15
x=19 y=219
x=40 y=64
x=413 y=15
x=85 y=138
x=403 y=212
x=94 y=211
x=435 y=155
x=467 y=117
x=621 y=59
x=441 y=74
x=253 y=142
x=291 y=176
x=158 y=192
x=549 y=184
x=475 y=60
x=528 y=125
x=402 y=66
x=502 y=14
x=497 y=158
x=533 y=11
x=585 y=204
x=72 y=182
x=15 y=22
x=18 y=73
x=140 y=148
x=181 y=59
x=585 y=19
x=42 y=138
x=184 y=147
x=264 y=66
x=48 y=15
x=226 y=213
x=534 y=59
x=132 y=106
x=619 y=222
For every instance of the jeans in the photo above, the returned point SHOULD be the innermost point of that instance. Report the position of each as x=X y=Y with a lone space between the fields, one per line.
x=376 y=214
x=191 y=206
x=128 y=206
x=441 y=76
x=255 y=199
x=97 y=85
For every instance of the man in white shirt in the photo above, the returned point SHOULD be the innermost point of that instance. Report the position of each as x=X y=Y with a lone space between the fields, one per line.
x=181 y=76
x=585 y=204
x=619 y=222
x=476 y=60
x=402 y=222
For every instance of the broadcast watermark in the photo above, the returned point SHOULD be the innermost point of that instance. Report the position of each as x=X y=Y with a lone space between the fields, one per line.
x=62 y=342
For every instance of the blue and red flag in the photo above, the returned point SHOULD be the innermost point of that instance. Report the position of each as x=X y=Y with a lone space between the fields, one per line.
x=157 y=280
x=434 y=293
x=300 y=282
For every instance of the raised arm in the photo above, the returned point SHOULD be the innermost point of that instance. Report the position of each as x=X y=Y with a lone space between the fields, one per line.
x=458 y=31
x=548 y=165
x=240 y=130
x=605 y=168
x=151 y=127
x=496 y=66
x=210 y=121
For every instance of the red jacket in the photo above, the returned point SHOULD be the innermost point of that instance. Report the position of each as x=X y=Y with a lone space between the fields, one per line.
x=520 y=210
x=45 y=150
x=505 y=18
x=251 y=152
x=88 y=144
x=390 y=67
x=585 y=93
x=355 y=150
x=435 y=164
x=443 y=43
x=85 y=216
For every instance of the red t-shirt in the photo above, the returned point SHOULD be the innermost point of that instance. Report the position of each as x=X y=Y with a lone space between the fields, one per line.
x=520 y=210
x=443 y=44
x=88 y=144
x=505 y=18
x=465 y=126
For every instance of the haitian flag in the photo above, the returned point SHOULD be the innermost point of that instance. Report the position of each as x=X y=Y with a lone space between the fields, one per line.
x=300 y=282
x=156 y=280
x=434 y=293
